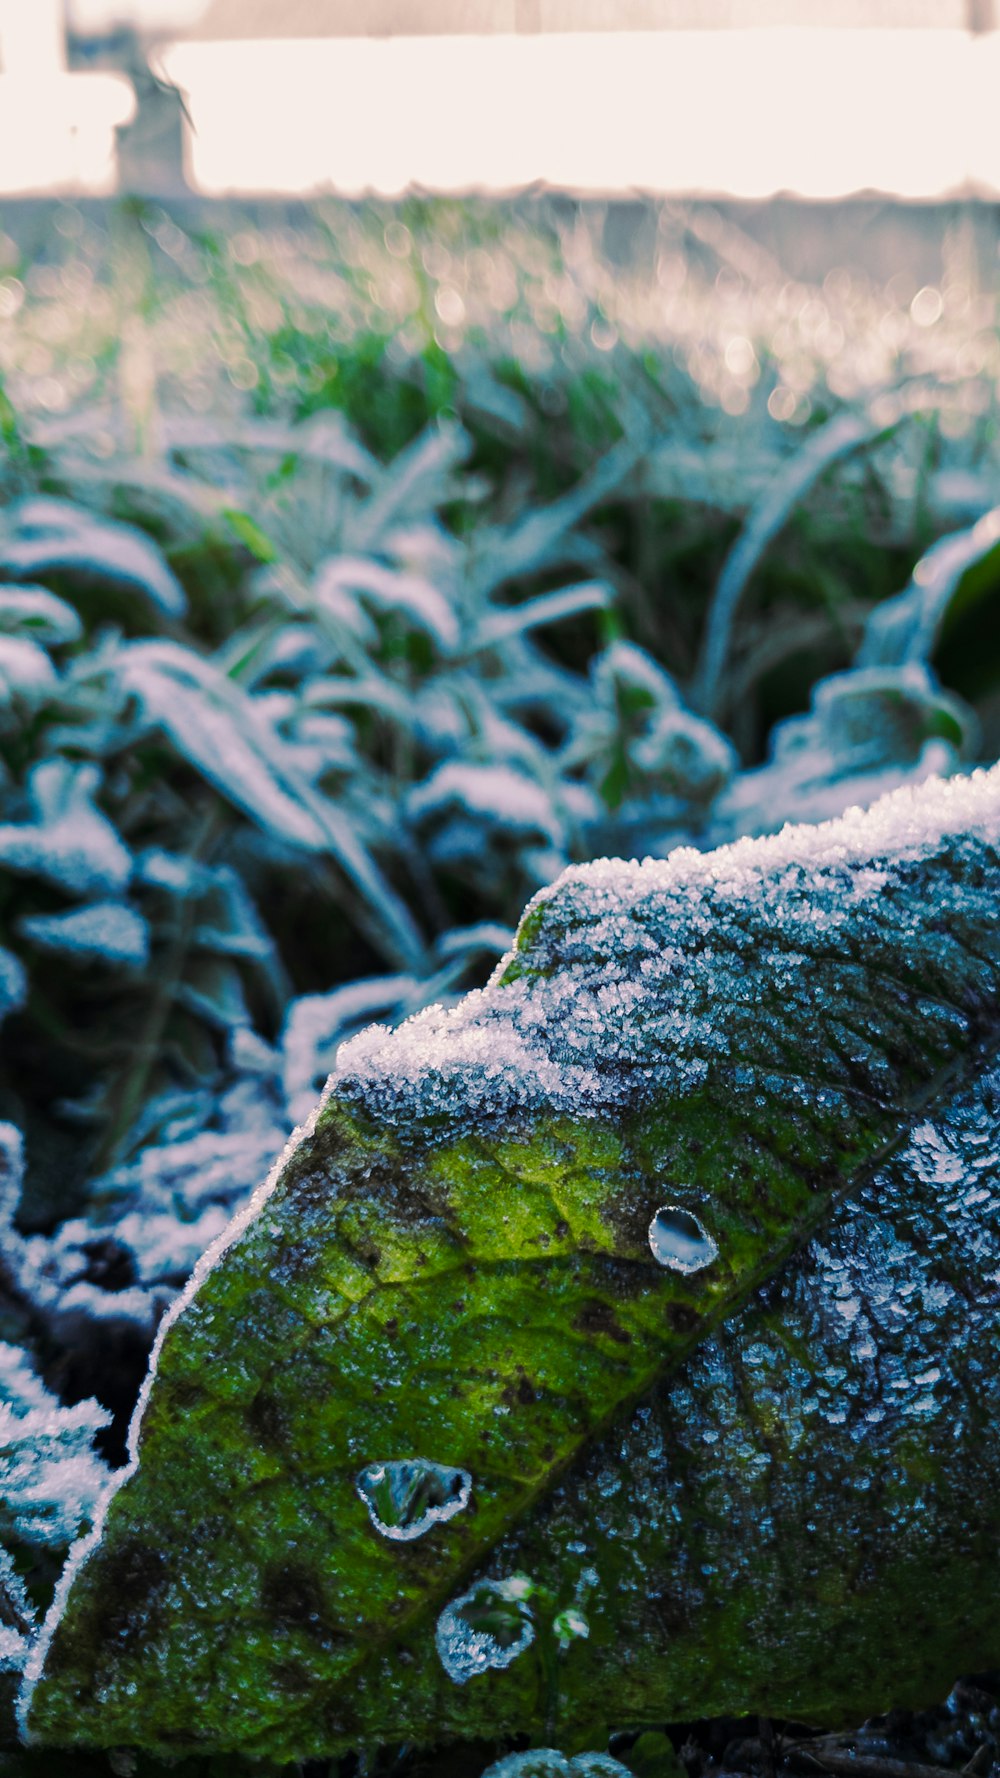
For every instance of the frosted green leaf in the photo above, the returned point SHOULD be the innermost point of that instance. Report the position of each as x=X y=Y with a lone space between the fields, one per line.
x=867 y=731
x=105 y=931
x=56 y=537
x=26 y=673
x=227 y=736
x=40 y=616
x=767 y=1481
x=956 y=571
x=50 y=1477
x=547 y=1762
x=70 y=842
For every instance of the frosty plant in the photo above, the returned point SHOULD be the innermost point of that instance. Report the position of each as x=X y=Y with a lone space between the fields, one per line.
x=50 y=1483
x=679 y=1241
x=655 y=1274
x=297 y=763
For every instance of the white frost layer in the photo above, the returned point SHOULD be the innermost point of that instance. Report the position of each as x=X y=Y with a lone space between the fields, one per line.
x=646 y=953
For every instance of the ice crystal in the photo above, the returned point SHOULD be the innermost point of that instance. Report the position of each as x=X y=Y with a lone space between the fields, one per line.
x=17 y=1617
x=508 y=798
x=547 y=1762
x=106 y=931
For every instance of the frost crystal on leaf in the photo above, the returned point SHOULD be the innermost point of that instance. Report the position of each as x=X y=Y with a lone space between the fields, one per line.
x=54 y=536
x=507 y=798
x=540 y=1762
x=489 y=1626
x=106 y=931
x=26 y=673
x=39 y=615
x=867 y=732
x=547 y=1762
x=17 y=1617
x=342 y=578
x=315 y=1025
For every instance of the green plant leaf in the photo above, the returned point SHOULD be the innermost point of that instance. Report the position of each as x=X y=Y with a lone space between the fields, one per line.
x=547 y=608
x=71 y=842
x=38 y=615
x=250 y=535
x=619 y=1263
x=867 y=731
x=546 y=537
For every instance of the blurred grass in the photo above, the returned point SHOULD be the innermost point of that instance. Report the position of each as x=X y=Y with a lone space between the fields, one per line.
x=745 y=466
x=399 y=316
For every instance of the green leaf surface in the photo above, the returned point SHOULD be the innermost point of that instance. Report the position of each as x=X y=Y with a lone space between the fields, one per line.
x=740 y=1480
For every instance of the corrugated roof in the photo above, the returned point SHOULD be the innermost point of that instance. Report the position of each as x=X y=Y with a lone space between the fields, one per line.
x=227 y=19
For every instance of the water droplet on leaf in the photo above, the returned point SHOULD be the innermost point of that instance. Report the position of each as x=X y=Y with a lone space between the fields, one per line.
x=406 y=1497
x=678 y=1240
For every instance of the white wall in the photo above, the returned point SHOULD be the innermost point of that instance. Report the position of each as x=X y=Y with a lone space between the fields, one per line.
x=819 y=113
x=56 y=129
x=32 y=38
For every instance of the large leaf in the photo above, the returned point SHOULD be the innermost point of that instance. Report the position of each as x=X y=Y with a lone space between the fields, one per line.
x=556 y=1242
